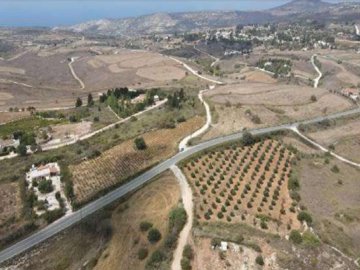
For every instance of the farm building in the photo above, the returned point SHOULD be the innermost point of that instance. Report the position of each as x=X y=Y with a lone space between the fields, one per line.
x=352 y=93
x=44 y=181
x=43 y=171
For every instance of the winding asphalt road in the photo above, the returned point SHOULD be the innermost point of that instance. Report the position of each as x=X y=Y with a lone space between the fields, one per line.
x=67 y=221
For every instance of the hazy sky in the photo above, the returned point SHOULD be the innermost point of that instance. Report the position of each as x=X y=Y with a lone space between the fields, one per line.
x=67 y=12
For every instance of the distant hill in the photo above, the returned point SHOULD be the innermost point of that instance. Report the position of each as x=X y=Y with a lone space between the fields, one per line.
x=163 y=23
x=302 y=6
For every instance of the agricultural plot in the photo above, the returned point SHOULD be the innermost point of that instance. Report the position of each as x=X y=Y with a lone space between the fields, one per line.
x=122 y=161
x=247 y=184
x=10 y=209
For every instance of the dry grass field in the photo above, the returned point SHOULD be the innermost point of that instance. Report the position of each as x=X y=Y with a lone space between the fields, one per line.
x=236 y=106
x=152 y=204
x=111 y=238
x=337 y=75
x=333 y=199
x=247 y=184
x=10 y=206
x=10 y=209
x=345 y=138
x=130 y=68
x=6 y=117
x=43 y=79
x=123 y=160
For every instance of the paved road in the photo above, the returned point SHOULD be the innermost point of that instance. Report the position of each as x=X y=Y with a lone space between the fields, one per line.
x=67 y=221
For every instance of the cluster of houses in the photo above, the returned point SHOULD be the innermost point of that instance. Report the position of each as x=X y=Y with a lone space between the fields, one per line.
x=49 y=200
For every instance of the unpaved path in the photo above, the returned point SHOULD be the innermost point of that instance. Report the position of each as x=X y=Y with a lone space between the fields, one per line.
x=187 y=199
x=183 y=144
x=74 y=74
x=89 y=135
x=322 y=148
x=317 y=79
x=216 y=60
x=193 y=71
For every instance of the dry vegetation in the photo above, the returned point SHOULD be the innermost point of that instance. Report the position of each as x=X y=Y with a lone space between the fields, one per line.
x=343 y=137
x=10 y=208
x=123 y=161
x=111 y=238
x=252 y=105
x=248 y=184
x=152 y=204
x=334 y=199
x=6 y=117
x=51 y=83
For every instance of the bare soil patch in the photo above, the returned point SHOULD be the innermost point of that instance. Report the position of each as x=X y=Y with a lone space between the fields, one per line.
x=244 y=184
x=123 y=160
x=6 y=117
x=161 y=73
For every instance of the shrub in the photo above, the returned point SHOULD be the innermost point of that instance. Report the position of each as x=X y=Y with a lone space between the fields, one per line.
x=310 y=240
x=259 y=260
x=156 y=258
x=304 y=216
x=185 y=264
x=188 y=252
x=248 y=138
x=154 y=235
x=145 y=226
x=45 y=186
x=335 y=169
x=142 y=253
x=295 y=237
x=140 y=143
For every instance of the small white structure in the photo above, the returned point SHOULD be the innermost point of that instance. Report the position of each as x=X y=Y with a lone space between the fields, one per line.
x=223 y=246
x=156 y=98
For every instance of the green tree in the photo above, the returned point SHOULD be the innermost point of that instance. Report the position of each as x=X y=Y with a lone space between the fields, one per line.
x=142 y=253
x=259 y=260
x=295 y=237
x=304 y=216
x=248 y=138
x=90 y=100
x=78 y=102
x=154 y=235
x=140 y=143
x=21 y=150
x=145 y=226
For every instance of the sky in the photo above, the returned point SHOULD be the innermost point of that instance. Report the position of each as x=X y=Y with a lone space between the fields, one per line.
x=68 y=12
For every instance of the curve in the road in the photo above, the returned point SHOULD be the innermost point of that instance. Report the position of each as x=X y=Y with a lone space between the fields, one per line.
x=196 y=73
x=317 y=79
x=183 y=144
x=67 y=221
x=322 y=148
